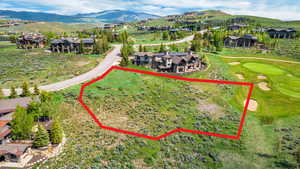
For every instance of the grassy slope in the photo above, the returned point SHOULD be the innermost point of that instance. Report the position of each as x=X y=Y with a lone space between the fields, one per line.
x=39 y=67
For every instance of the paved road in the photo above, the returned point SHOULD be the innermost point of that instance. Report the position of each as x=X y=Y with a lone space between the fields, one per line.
x=112 y=58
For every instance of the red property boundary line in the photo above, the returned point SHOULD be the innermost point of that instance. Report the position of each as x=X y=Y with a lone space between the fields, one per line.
x=251 y=85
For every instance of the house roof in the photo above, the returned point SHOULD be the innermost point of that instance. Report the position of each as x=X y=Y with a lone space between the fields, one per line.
x=4 y=131
x=16 y=149
x=10 y=105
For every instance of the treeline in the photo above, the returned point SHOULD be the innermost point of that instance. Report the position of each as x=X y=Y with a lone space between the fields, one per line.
x=211 y=41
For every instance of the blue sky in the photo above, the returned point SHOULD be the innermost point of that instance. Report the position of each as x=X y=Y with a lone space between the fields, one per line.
x=281 y=9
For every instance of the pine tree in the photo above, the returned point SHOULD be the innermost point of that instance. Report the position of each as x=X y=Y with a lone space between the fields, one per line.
x=21 y=124
x=41 y=138
x=25 y=90
x=56 y=134
x=13 y=92
x=36 y=90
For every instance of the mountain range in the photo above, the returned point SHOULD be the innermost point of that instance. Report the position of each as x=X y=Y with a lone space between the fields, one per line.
x=109 y=16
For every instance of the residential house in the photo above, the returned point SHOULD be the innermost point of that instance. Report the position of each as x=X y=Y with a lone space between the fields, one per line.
x=30 y=41
x=236 y=26
x=71 y=45
x=12 y=152
x=282 y=33
x=170 y=62
x=243 y=41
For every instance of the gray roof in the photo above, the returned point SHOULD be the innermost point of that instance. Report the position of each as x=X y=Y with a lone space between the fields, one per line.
x=10 y=105
x=16 y=149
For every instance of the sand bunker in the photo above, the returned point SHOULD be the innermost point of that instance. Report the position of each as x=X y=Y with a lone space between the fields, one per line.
x=252 y=105
x=264 y=86
x=261 y=77
x=234 y=63
x=240 y=76
x=289 y=75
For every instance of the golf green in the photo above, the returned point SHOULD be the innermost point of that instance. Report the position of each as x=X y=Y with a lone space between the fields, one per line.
x=264 y=68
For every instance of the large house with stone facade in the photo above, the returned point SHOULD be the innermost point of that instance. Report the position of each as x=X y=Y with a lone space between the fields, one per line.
x=240 y=41
x=72 y=45
x=30 y=41
x=170 y=62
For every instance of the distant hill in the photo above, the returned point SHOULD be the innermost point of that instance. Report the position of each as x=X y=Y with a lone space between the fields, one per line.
x=116 y=16
x=111 y=16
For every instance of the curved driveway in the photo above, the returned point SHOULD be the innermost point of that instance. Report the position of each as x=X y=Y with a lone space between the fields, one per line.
x=112 y=58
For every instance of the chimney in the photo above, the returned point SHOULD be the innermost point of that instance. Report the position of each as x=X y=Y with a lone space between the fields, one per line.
x=167 y=53
x=190 y=52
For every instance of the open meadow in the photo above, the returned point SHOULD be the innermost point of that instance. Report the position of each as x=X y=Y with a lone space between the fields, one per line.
x=40 y=67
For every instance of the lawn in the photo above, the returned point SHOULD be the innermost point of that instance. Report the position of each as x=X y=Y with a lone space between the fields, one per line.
x=40 y=67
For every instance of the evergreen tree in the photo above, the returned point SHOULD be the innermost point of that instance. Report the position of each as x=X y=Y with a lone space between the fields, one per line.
x=13 y=93
x=162 y=48
x=41 y=138
x=25 y=90
x=21 y=124
x=36 y=90
x=56 y=134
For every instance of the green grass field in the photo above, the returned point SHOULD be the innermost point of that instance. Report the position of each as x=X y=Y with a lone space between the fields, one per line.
x=40 y=67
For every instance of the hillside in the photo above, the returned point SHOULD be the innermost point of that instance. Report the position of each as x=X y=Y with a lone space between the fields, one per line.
x=49 y=27
x=111 y=16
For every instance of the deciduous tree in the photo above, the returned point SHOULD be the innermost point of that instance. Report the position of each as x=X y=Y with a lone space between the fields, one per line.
x=25 y=90
x=21 y=125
